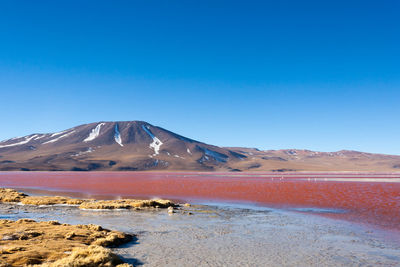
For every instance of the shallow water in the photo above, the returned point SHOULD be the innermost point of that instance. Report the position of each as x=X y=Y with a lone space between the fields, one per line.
x=363 y=198
x=229 y=235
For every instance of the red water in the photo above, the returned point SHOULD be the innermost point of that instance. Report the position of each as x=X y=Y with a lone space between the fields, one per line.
x=376 y=203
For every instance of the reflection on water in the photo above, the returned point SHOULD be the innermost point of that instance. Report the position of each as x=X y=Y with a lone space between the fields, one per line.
x=363 y=198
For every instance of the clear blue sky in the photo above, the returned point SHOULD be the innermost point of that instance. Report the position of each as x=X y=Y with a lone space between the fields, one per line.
x=320 y=75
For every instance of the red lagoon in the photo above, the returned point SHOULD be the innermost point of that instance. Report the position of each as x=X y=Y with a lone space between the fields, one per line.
x=371 y=198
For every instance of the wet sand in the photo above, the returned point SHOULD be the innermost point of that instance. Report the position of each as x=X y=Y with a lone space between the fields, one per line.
x=229 y=235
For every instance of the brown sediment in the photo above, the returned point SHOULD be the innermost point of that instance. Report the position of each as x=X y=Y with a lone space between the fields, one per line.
x=126 y=204
x=11 y=195
x=90 y=256
x=27 y=242
x=50 y=200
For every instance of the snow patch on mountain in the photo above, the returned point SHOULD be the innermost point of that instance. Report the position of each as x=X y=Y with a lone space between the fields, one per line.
x=94 y=133
x=156 y=144
x=40 y=136
x=58 y=138
x=89 y=150
x=203 y=159
x=117 y=136
x=25 y=141
x=216 y=155
x=188 y=151
x=55 y=134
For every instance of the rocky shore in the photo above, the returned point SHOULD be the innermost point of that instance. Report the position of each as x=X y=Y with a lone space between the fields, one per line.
x=49 y=243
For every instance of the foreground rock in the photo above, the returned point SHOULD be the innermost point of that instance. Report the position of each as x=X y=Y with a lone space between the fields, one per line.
x=27 y=242
x=13 y=196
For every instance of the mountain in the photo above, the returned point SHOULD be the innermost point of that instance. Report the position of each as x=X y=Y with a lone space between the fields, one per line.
x=125 y=146
x=307 y=160
x=138 y=145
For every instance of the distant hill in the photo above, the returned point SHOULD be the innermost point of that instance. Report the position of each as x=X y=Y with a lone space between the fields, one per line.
x=138 y=146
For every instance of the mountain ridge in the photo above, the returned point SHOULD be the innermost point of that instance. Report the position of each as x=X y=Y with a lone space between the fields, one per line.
x=140 y=146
